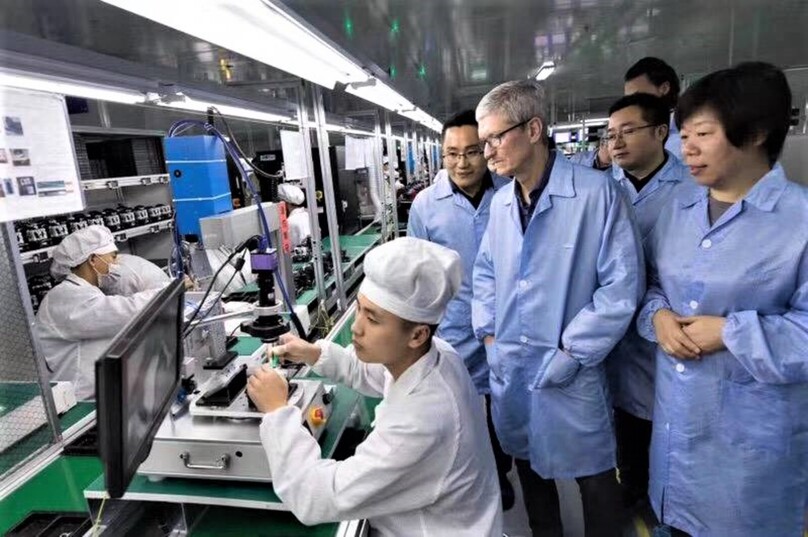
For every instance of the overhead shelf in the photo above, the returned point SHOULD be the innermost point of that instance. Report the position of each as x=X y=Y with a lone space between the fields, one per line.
x=112 y=183
x=43 y=254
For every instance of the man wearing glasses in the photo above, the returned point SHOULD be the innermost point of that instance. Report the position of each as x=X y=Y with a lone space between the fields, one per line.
x=638 y=128
x=453 y=212
x=556 y=283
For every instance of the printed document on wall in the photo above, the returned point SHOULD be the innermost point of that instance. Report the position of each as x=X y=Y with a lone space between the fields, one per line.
x=38 y=171
x=294 y=156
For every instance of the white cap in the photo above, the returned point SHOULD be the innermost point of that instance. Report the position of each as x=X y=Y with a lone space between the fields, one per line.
x=291 y=193
x=385 y=160
x=77 y=247
x=412 y=278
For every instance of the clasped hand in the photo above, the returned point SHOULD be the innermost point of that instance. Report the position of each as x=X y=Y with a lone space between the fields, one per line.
x=688 y=338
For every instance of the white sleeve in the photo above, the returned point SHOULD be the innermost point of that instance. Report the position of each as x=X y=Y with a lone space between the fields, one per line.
x=342 y=365
x=100 y=316
x=399 y=467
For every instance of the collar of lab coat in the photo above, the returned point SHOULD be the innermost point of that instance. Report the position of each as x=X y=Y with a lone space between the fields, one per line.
x=662 y=175
x=443 y=187
x=412 y=377
x=764 y=195
x=78 y=280
x=560 y=183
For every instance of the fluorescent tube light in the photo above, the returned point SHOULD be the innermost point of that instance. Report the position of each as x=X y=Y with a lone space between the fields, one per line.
x=186 y=103
x=257 y=29
x=377 y=92
x=546 y=69
x=75 y=89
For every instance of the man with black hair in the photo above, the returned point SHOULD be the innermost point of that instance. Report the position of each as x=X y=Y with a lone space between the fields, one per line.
x=453 y=212
x=654 y=76
x=650 y=176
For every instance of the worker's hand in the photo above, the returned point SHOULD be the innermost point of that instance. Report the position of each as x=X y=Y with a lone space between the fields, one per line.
x=294 y=349
x=672 y=338
x=188 y=282
x=267 y=389
x=705 y=331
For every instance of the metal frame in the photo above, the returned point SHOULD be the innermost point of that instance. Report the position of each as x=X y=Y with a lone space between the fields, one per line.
x=311 y=188
x=391 y=153
x=328 y=191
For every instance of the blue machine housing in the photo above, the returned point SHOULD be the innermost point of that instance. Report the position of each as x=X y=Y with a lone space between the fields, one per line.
x=199 y=181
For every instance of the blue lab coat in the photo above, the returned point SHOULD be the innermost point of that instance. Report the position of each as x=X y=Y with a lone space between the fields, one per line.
x=631 y=364
x=673 y=144
x=729 y=451
x=572 y=281
x=584 y=158
x=445 y=217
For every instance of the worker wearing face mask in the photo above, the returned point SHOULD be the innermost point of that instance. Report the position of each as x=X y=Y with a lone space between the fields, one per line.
x=76 y=320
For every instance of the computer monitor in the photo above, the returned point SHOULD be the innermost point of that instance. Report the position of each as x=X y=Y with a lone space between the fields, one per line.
x=136 y=380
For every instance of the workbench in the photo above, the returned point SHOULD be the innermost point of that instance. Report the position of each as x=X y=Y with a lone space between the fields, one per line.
x=76 y=484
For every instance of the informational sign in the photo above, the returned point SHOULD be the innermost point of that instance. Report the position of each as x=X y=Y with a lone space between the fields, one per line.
x=38 y=171
x=359 y=152
x=294 y=154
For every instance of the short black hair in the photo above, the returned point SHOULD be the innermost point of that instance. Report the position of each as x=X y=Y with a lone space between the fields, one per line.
x=749 y=99
x=461 y=119
x=658 y=72
x=654 y=109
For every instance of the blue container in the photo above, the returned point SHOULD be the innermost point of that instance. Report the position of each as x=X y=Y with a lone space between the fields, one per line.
x=199 y=180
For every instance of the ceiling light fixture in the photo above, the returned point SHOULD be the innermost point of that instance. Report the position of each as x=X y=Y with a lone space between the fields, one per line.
x=181 y=101
x=71 y=88
x=257 y=29
x=546 y=69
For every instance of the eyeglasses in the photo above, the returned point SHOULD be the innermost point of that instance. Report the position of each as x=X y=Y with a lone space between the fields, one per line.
x=469 y=154
x=611 y=137
x=495 y=140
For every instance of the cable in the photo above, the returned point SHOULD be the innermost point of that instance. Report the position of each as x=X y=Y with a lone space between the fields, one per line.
x=98 y=518
x=188 y=330
x=210 y=309
x=236 y=156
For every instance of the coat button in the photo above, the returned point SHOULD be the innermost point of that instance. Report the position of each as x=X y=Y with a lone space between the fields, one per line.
x=680 y=368
x=523 y=339
x=522 y=284
x=706 y=243
x=694 y=304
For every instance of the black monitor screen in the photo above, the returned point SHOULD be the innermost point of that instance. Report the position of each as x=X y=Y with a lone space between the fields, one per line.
x=136 y=382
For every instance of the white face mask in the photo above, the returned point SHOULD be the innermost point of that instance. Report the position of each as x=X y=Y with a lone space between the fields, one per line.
x=106 y=282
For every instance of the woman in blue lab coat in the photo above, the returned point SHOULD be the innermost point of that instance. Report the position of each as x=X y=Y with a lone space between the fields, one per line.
x=728 y=305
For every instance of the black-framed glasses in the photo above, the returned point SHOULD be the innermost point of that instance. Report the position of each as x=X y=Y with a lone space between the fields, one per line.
x=611 y=137
x=470 y=154
x=495 y=140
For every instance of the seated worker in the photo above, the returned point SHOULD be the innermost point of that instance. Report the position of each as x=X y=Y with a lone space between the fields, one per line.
x=298 y=217
x=428 y=467
x=76 y=320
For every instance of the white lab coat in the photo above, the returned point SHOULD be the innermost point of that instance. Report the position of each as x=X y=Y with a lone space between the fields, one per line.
x=427 y=469
x=137 y=274
x=75 y=324
x=299 y=226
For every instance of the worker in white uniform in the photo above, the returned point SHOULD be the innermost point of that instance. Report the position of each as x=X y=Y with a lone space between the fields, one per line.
x=428 y=467
x=76 y=320
x=298 y=217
